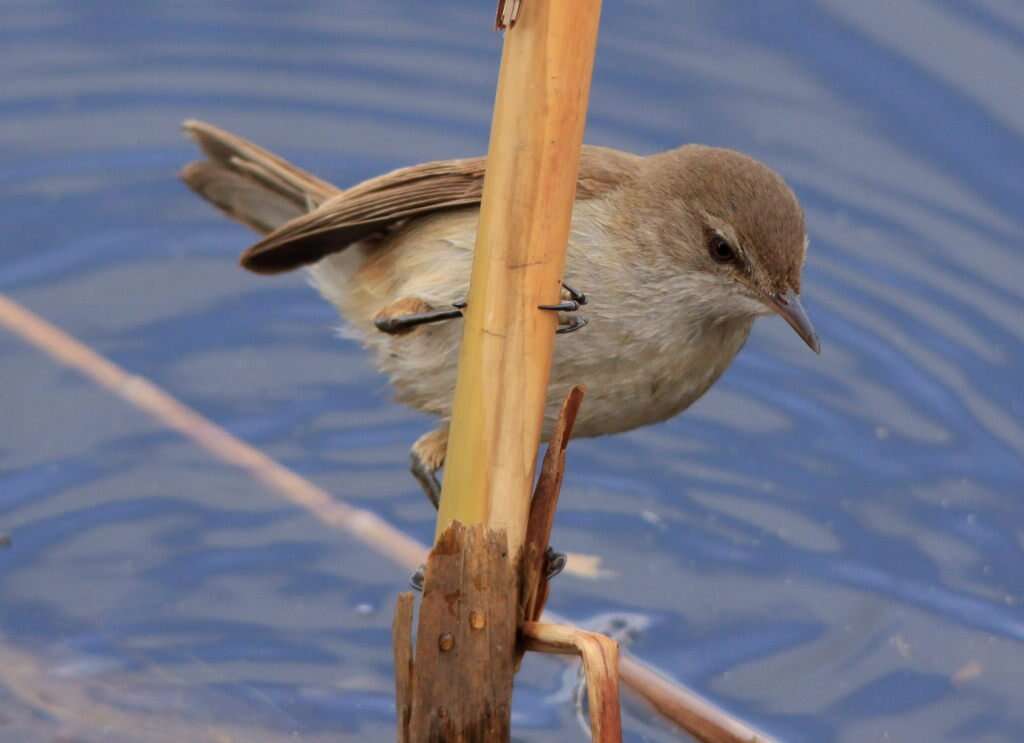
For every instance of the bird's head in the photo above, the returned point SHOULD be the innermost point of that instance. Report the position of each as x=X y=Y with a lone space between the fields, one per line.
x=736 y=230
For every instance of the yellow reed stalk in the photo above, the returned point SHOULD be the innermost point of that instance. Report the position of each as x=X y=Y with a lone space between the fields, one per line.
x=529 y=189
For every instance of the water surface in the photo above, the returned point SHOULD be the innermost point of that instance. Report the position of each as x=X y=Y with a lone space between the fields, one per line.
x=828 y=546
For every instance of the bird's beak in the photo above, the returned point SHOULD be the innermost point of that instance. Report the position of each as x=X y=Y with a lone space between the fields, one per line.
x=789 y=307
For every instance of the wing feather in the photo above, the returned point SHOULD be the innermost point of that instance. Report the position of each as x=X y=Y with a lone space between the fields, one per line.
x=374 y=205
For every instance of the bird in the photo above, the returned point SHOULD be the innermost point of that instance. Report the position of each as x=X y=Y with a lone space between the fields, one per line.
x=671 y=256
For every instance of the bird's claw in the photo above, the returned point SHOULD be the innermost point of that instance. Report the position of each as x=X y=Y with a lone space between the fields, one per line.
x=578 y=297
x=572 y=326
x=576 y=300
x=568 y=306
x=554 y=563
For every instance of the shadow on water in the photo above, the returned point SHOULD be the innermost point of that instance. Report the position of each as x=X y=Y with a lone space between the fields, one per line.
x=829 y=546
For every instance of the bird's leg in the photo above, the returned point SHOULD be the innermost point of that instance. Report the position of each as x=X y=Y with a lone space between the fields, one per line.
x=428 y=453
x=574 y=302
x=426 y=457
x=409 y=313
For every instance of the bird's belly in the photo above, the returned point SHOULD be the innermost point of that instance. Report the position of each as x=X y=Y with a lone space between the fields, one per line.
x=639 y=384
x=620 y=407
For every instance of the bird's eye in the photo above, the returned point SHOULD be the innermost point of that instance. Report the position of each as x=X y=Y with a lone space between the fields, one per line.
x=721 y=250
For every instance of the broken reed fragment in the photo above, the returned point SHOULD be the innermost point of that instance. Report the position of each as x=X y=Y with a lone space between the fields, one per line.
x=461 y=678
x=507 y=15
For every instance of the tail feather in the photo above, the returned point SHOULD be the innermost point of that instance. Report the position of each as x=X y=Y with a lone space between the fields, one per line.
x=248 y=183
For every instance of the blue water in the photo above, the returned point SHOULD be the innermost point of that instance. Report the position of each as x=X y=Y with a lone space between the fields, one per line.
x=830 y=547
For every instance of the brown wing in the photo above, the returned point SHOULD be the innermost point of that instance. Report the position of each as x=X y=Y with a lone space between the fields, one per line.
x=411 y=192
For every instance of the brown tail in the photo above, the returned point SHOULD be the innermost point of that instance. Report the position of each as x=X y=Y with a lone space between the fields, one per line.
x=249 y=184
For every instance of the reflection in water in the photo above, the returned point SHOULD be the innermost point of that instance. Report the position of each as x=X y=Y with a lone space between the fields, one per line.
x=829 y=546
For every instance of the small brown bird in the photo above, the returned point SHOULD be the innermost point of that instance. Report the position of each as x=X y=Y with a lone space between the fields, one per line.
x=678 y=253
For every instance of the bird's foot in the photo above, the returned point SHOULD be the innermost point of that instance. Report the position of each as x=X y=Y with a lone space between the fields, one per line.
x=416 y=581
x=576 y=300
x=554 y=563
x=577 y=296
x=397 y=319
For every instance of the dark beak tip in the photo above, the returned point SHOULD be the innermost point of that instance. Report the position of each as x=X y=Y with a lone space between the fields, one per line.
x=792 y=311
